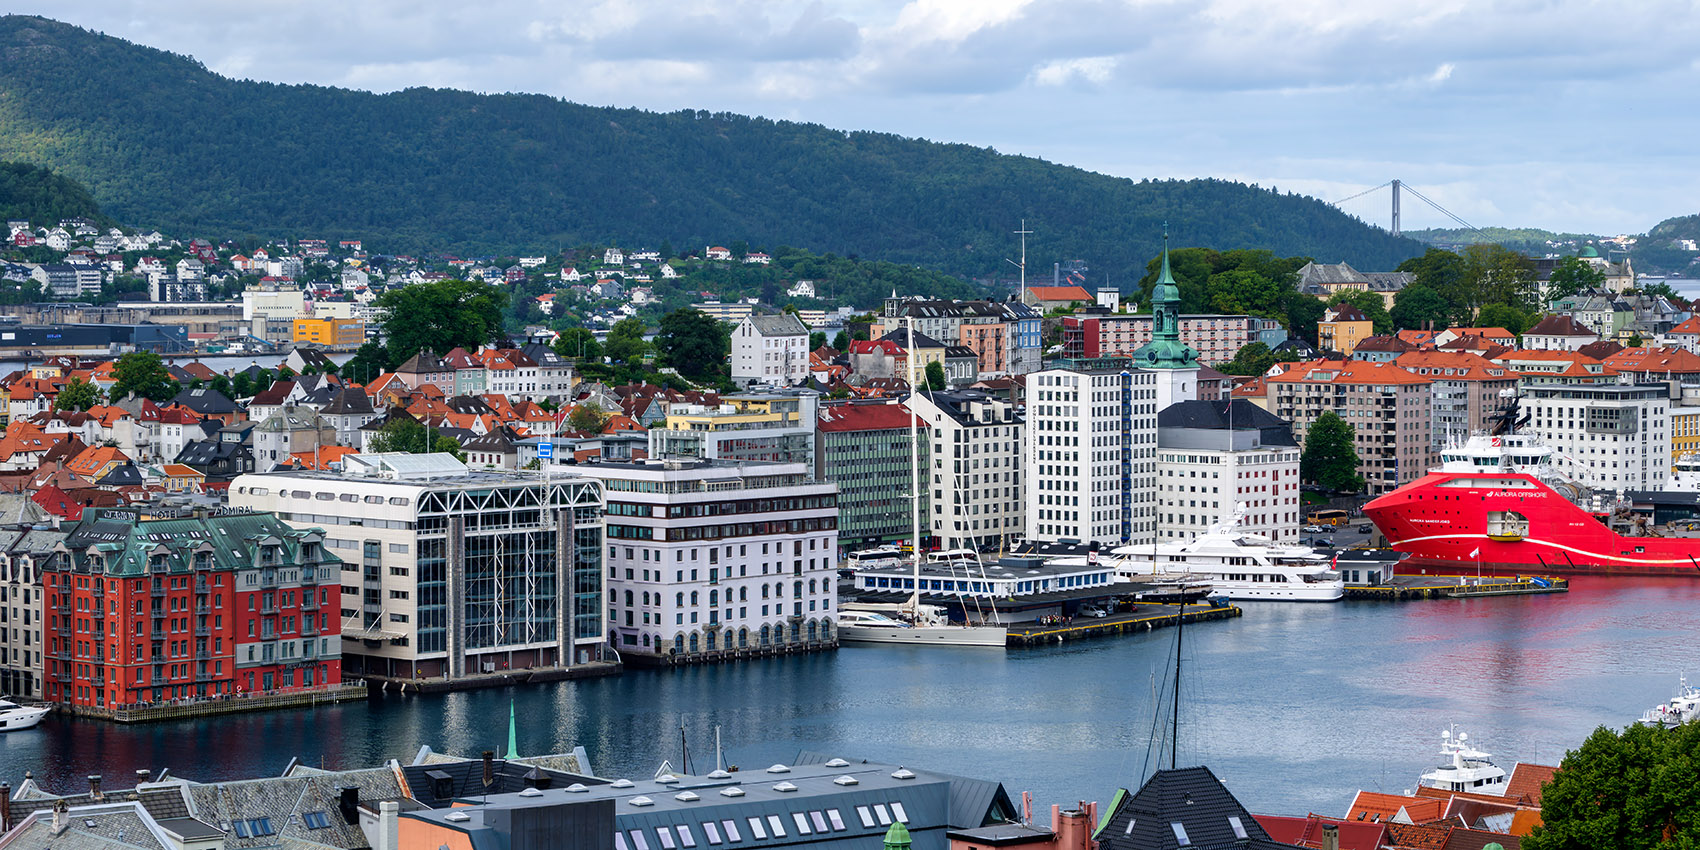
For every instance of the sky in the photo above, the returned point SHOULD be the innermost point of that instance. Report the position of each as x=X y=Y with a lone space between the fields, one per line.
x=1561 y=114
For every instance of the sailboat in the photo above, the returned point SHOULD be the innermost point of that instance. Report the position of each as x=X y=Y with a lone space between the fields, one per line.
x=913 y=622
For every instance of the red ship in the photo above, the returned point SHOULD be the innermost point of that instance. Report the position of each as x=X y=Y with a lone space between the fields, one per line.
x=1495 y=504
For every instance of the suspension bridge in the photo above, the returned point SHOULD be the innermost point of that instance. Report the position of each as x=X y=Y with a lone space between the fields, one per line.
x=1399 y=186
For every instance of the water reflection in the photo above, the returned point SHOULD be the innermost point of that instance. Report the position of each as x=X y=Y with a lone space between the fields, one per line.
x=1296 y=706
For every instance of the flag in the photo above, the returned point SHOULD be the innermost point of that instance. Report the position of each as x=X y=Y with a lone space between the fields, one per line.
x=1476 y=552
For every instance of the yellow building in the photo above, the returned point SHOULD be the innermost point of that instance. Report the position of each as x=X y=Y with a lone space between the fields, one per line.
x=1684 y=431
x=335 y=333
x=1342 y=328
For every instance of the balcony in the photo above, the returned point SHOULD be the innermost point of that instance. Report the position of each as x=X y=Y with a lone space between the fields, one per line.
x=201 y=586
x=202 y=631
x=157 y=592
x=309 y=603
x=310 y=575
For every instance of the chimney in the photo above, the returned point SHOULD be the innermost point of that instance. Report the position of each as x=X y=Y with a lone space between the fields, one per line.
x=5 y=807
x=1073 y=828
x=94 y=786
x=1330 y=837
x=61 y=810
x=348 y=802
x=388 y=829
x=142 y=776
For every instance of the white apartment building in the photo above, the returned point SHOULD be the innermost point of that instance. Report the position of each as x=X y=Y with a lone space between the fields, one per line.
x=449 y=571
x=1212 y=463
x=770 y=350
x=706 y=557
x=1091 y=455
x=975 y=483
x=1608 y=436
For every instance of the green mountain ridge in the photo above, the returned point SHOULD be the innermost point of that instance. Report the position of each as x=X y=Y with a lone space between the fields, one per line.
x=162 y=142
x=31 y=193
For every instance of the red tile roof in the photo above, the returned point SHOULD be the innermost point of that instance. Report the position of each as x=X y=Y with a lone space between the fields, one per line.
x=865 y=417
x=1347 y=372
x=1672 y=360
x=1373 y=806
x=1528 y=780
x=1060 y=293
x=1307 y=831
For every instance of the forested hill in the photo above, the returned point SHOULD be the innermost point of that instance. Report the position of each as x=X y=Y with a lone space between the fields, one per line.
x=163 y=142
x=31 y=193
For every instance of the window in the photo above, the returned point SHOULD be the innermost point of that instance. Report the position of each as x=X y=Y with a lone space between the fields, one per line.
x=837 y=820
x=757 y=831
x=1180 y=834
x=802 y=822
x=883 y=815
x=711 y=831
x=898 y=812
x=666 y=836
x=819 y=821
x=866 y=816
x=777 y=825
x=638 y=841
x=685 y=837
x=316 y=820
x=731 y=830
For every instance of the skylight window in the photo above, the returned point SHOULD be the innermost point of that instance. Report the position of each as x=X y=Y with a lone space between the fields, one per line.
x=666 y=836
x=638 y=841
x=883 y=815
x=730 y=827
x=685 y=837
x=316 y=820
x=711 y=831
x=240 y=827
x=619 y=841
x=898 y=812
x=837 y=820
x=1180 y=833
x=776 y=825
x=1239 y=828
x=802 y=822
x=757 y=831
x=866 y=816
x=819 y=821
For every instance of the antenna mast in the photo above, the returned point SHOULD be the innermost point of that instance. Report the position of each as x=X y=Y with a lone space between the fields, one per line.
x=1023 y=232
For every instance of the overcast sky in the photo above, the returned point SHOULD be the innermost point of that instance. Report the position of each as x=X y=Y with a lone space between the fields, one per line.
x=1566 y=115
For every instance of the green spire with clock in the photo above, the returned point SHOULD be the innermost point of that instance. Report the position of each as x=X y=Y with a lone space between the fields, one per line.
x=1165 y=351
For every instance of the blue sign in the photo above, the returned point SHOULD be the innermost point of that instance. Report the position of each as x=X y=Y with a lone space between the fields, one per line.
x=546 y=450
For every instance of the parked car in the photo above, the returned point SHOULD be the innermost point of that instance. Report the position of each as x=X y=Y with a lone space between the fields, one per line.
x=1314 y=529
x=1093 y=611
x=1365 y=528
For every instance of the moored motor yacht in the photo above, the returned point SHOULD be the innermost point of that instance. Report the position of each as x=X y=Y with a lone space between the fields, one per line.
x=1240 y=565
x=857 y=624
x=14 y=717
x=1683 y=707
x=1465 y=768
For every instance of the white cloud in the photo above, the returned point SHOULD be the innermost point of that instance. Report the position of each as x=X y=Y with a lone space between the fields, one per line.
x=1093 y=69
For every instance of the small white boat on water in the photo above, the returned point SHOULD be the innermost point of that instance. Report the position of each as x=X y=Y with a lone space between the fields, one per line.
x=1465 y=768
x=1683 y=707
x=14 y=717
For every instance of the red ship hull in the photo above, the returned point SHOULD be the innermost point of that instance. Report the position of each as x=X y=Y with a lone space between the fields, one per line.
x=1514 y=524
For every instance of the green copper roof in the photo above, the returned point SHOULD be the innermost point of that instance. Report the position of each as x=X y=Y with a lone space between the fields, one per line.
x=1165 y=351
x=897 y=838
x=513 y=748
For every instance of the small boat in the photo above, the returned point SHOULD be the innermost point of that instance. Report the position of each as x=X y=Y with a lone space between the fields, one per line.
x=864 y=626
x=1466 y=768
x=1683 y=707
x=14 y=717
x=1169 y=591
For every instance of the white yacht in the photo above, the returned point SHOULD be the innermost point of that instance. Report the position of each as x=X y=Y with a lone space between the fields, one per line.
x=1465 y=769
x=858 y=625
x=1683 y=707
x=14 y=717
x=1239 y=565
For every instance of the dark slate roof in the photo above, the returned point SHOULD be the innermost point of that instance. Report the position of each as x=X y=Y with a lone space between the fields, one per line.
x=439 y=783
x=160 y=801
x=1559 y=325
x=901 y=337
x=424 y=361
x=1193 y=798
x=396 y=413
x=784 y=324
x=468 y=404
x=956 y=404
x=500 y=441
x=283 y=799
x=1330 y=273
x=205 y=401
x=348 y=402
x=199 y=453
x=314 y=357
x=122 y=475
x=960 y=351
x=1344 y=312
x=109 y=827
x=1214 y=415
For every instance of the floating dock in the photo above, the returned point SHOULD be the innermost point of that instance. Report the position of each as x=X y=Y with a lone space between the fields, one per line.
x=1142 y=618
x=188 y=709
x=493 y=679
x=1412 y=587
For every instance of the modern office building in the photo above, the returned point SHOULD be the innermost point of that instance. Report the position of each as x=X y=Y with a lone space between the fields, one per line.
x=448 y=571
x=707 y=557
x=24 y=550
x=1608 y=436
x=1090 y=457
x=866 y=450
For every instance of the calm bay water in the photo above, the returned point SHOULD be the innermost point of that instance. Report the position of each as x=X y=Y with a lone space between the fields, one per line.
x=1295 y=706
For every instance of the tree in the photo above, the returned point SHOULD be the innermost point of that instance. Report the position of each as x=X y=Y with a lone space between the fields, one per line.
x=1417 y=306
x=817 y=339
x=625 y=341
x=1504 y=316
x=935 y=376
x=1571 y=276
x=841 y=341
x=587 y=417
x=441 y=316
x=1303 y=312
x=142 y=373
x=408 y=435
x=1253 y=358
x=77 y=395
x=1633 y=790
x=1329 y=458
x=579 y=344
x=1498 y=275
x=1370 y=303
x=692 y=342
x=1441 y=271
x=1635 y=340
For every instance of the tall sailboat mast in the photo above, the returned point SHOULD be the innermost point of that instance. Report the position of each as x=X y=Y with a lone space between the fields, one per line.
x=914 y=473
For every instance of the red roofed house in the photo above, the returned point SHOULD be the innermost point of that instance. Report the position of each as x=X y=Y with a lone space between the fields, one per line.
x=880 y=358
x=1497 y=335
x=178 y=478
x=1045 y=298
x=1685 y=336
x=1657 y=364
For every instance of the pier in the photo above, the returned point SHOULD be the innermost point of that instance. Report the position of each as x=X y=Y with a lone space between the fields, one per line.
x=185 y=709
x=495 y=679
x=1409 y=588
x=1141 y=618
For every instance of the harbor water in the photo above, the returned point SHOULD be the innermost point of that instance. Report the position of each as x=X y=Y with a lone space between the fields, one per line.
x=1296 y=706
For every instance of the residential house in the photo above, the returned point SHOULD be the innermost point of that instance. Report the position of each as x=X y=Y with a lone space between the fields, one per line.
x=770 y=350
x=1390 y=409
x=209 y=403
x=425 y=368
x=1558 y=333
x=290 y=430
x=1467 y=391
x=1342 y=328
x=1048 y=298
